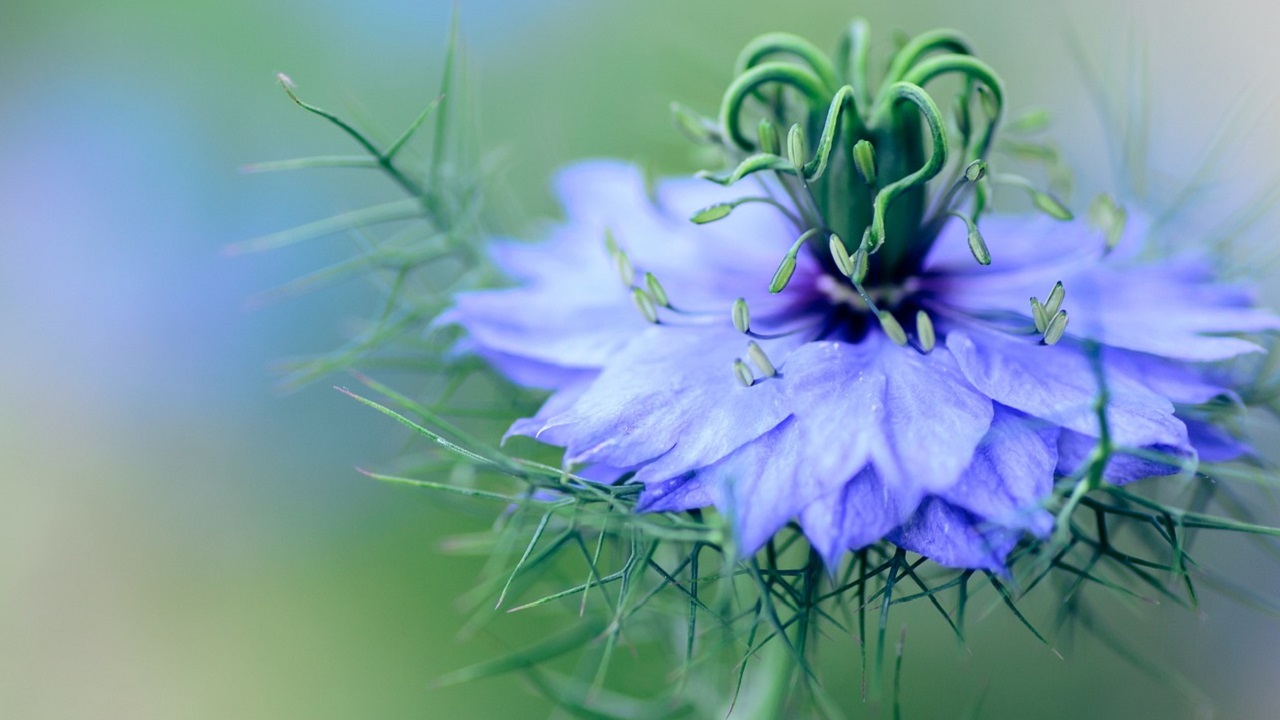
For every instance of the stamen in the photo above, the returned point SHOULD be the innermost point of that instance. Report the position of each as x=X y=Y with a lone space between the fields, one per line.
x=656 y=291
x=783 y=274
x=625 y=269
x=1047 y=203
x=644 y=304
x=840 y=255
x=892 y=327
x=975 y=171
x=1110 y=217
x=768 y=136
x=1057 y=326
x=611 y=243
x=741 y=316
x=1038 y=314
x=864 y=157
x=796 y=148
x=712 y=213
x=861 y=263
x=924 y=331
x=743 y=373
x=977 y=245
x=1056 y=296
x=756 y=353
x=788 y=267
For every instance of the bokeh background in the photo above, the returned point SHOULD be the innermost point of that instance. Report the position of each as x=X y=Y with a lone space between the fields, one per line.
x=180 y=539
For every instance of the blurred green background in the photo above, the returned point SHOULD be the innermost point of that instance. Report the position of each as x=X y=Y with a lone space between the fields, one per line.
x=178 y=539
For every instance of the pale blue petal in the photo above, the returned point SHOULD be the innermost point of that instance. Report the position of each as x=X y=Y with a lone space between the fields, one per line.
x=1058 y=384
x=1011 y=474
x=672 y=393
x=953 y=537
x=859 y=513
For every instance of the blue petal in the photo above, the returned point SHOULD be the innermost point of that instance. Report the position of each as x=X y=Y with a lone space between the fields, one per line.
x=1171 y=308
x=1125 y=467
x=955 y=538
x=873 y=428
x=1011 y=473
x=860 y=512
x=671 y=392
x=573 y=310
x=913 y=416
x=1057 y=383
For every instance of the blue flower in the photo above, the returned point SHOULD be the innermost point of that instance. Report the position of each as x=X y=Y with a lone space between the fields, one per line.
x=891 y=389
x=947 y=453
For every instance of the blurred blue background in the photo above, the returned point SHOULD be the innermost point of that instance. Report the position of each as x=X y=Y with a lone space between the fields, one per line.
x=179 y=539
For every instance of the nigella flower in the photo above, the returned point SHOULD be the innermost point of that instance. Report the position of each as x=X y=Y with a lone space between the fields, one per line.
x=854 y=346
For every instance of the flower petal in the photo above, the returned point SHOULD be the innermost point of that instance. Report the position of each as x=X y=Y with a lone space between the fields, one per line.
x=671 y=392
x=859 y=513
x=1011 y=473
x=953 y=537
x=1058 y=384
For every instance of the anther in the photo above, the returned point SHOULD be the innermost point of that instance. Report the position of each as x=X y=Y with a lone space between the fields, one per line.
x=645 y=305
x=656 y=291
x=796 y=150
x=892 y=327
x=1110 y=217
x=840 y=255
x=768 y=136
x=861 y=261
x=1051 y=205
x=741 y=316
x=1057 y=326
x=1038 y=314
x=783 y=274
x=611 y=243
x=864 y=157
x=625 y=270
x=977 y=245
x=756 y=353
x=743 y=373
x=924 y=331
x=712 y=213
x=1056 y=296
x=975 y=171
